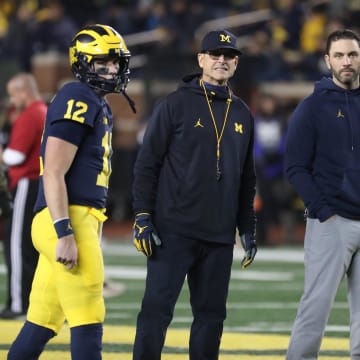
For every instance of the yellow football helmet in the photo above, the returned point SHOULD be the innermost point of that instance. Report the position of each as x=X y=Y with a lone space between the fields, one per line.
x=99 y=42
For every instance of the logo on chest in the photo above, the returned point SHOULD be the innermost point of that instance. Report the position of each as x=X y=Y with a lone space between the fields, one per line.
x=198 y=124
x=340 y=114
x=238 y=128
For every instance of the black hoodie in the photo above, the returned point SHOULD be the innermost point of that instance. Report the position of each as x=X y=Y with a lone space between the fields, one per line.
x=175 y=171
x=323 y=151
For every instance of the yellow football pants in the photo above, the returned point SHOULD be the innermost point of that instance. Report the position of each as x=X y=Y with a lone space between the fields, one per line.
x=59 y=294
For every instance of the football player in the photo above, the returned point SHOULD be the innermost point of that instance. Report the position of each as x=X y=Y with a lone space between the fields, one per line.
x=74 y=174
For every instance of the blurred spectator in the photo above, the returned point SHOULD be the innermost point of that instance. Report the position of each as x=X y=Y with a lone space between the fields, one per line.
x=180 y=23
x=17 y=45
x=269 y=160
x=262 y=61
x=22 y=159
x=5 y=10
x=291 y=14
x=117 y=16
x=313 y=66
x=270 y=65
x=140 y=16
x=313 y=29
x=54 y=29
x=144 y=18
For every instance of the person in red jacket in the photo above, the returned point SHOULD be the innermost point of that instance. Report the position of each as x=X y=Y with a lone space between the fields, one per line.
x=21 y=156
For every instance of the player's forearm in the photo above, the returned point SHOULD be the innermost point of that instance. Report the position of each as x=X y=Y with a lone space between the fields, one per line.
x=56 y=195
x=59 y=155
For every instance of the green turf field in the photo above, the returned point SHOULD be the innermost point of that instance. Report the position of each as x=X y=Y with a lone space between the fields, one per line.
x=261 y=308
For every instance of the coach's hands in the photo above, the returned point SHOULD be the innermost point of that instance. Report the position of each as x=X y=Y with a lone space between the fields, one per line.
x=248 y=242
x=144 y=234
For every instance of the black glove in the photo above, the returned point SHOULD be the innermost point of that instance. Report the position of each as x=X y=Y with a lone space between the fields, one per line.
x=6 y=204
x=144 y=234
x=248 y=242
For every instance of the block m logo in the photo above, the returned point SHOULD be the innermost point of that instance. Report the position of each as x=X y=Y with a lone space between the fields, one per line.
x=225 y=38
x=238 y=128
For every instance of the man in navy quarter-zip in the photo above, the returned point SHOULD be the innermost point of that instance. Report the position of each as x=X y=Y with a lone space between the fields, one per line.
x=323 y=164
x=194 y=185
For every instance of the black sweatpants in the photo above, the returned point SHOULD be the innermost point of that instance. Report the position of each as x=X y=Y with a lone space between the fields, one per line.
x=207 y=266
x=20 y=255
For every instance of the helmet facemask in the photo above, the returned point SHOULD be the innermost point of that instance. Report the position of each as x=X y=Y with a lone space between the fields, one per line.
x=85 y=72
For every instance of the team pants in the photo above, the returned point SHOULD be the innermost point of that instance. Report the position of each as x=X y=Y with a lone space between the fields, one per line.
x=58 y=293
x=331 y=251
x=207 y=267
x=20 y=255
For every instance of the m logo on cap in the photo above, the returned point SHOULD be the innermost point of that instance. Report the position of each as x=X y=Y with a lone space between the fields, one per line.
x=219 y=39
x=225 y=38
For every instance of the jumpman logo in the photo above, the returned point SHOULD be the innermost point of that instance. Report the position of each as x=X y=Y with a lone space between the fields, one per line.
x=340 y=114
x=198 y=124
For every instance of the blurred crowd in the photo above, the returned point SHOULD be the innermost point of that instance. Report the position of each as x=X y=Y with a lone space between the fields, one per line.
x=287 y=46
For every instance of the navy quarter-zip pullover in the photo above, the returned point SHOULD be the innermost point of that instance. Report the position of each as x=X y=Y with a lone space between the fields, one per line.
x=175 y=171
x=324 y=133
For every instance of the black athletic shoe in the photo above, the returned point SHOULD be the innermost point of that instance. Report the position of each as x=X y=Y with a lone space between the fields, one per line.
x=8 y=314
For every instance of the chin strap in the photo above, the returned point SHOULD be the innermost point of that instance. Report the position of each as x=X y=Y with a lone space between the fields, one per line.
x=130 y=101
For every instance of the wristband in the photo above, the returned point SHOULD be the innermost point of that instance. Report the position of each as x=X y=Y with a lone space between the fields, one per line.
x=63 y=227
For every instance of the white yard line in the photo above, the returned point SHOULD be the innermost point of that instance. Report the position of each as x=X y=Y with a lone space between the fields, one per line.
x=278 y=254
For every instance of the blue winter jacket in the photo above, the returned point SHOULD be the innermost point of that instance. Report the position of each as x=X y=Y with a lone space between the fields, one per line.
x=322 y=159
x=175 y=171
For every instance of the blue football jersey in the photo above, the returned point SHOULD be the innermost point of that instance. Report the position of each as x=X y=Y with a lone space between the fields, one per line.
x=78 y=115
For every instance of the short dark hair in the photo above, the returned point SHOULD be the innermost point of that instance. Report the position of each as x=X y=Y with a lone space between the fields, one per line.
x=341 y=35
